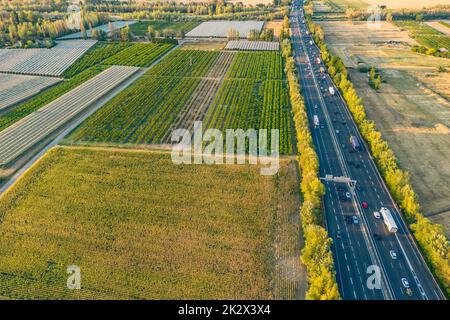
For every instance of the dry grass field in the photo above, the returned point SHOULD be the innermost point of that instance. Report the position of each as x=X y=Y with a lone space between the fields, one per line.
x=391 y=4
x=275 y=25
x=205 y=45
x=125 y=219
x=412 y=109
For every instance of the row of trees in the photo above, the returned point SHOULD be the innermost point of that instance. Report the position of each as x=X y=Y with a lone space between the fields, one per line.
x=265 y=35
x=430 y=237
x=316 y=254
x=24 y=29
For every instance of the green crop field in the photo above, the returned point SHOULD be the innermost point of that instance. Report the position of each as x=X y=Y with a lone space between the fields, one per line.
x=141 y=28
x=139 y=54
x=424 y=34
x=124 y=219
x=47 y=96
x=98 y=53
x=250 y=93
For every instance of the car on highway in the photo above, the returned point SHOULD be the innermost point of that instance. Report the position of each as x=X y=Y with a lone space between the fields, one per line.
x=376 y=214
x=347 y=195
x=376 y=236
x=408 y=292
x=365 y=205
x=316 y=106
x=338 y=234
x=355 y=220
x=405 y=283
x=337 y=131
x=393 y=254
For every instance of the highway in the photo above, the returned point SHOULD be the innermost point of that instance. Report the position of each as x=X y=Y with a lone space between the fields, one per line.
x=356 y=245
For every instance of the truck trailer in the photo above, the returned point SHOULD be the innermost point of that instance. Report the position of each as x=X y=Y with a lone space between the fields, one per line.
x=355 y=143
x=388 y=220
x=316 y=121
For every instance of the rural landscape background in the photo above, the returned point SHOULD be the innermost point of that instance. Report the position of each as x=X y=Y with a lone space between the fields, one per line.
x=92 y=91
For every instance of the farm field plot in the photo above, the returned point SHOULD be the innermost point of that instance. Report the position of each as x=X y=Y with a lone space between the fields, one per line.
x=47 y=62
x=95 y=55
x=139 y=54
x=257 y=65
x=413 y=119
x=22 y=110
x=219 y=29
x=16 y=88
x=104 y=27
x=141 y=28
x=440 y=26
x=246 y=45
x=189 y=85
x=425 y=35
x=391 y=4
x=17 y=139
x=234 y=237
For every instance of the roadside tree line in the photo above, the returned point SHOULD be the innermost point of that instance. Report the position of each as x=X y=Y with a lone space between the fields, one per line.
x=316 y=254
x=430 y=237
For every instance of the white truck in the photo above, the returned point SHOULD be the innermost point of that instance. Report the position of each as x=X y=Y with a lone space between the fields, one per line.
x=331 y=89
x=316 y=121
x=388 y=220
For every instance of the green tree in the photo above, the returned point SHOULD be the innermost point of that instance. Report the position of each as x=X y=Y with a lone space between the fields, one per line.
x=377 y=83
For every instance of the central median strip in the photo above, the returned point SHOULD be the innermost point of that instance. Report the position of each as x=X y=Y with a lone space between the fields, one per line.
x=316 y=254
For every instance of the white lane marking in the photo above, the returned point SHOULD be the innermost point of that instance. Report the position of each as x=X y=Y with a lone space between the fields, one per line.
x=351 y=280
x=416 y=279
x=348 y=268
x=354 y=294
x=345 y=256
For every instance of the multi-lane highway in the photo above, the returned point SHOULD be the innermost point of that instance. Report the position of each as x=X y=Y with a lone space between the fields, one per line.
x=361 y=242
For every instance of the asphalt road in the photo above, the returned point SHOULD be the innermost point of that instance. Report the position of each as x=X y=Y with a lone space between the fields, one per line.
x=356 y=246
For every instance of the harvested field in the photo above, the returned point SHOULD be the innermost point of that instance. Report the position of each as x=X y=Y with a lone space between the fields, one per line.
x=410 y=109
x=204 y=45
x=391 y=4
x=276 y=26
x=47 y=62
x=135 y=237
x=219 y=29
x=17 y=88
